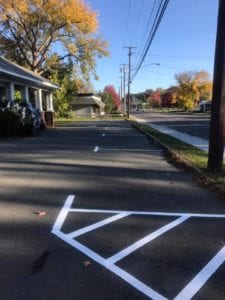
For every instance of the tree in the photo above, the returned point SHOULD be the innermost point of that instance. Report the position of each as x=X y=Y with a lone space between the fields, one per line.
x=111 y=99
x=155 y=99
x=30 y=29
x=65 y=94
x=109 y=103
x=115 y=97
x=169 y=97
x=192 y=87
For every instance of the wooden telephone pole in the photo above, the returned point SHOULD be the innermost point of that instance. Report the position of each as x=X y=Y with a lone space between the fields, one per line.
x=129 y=79
x=217 y=124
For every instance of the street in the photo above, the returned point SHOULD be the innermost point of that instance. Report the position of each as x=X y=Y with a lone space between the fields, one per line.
x=93 y=210
x=192 y=124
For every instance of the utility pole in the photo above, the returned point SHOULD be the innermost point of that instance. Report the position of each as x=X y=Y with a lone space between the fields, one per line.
x=217 y=124
x=129 y=79
x=121 y=88
x=124 y=85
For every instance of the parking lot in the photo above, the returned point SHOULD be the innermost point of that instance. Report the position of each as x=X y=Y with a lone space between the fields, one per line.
x=118 y=222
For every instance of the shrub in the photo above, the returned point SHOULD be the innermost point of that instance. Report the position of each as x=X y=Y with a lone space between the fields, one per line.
x=18 y=120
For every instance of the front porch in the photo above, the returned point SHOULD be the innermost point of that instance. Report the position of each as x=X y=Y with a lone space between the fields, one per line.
x=18 y=85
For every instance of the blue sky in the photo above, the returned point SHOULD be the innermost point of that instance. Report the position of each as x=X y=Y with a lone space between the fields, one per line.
x=185 y=40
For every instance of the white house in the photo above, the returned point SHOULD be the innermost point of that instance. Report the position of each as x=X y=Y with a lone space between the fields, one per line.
x=31 y=86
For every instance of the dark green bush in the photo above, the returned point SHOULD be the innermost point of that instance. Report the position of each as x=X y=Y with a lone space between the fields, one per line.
x=10 y=123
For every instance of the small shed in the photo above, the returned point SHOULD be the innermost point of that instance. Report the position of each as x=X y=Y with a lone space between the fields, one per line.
x=87 y=105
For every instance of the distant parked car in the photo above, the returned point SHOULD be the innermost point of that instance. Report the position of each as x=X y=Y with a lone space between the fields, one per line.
x=205 y=106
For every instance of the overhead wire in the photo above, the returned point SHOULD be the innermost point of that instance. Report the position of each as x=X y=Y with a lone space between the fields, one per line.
x=148 y=24
x=127 y=21
x=138 y=20
x=154 y=8
x=157 y=20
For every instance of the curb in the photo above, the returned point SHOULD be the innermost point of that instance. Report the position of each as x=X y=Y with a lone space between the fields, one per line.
x=180 y=161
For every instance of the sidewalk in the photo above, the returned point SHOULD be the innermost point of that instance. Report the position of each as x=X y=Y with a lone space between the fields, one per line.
x=195 y=141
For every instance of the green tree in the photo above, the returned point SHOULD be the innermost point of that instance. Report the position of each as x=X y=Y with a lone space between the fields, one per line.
x=109 y=102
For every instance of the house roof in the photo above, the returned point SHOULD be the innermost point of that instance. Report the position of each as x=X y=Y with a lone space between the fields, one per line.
x=89 y=100
x=12 y=71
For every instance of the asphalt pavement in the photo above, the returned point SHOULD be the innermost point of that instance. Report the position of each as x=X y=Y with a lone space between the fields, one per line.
x=94 y=211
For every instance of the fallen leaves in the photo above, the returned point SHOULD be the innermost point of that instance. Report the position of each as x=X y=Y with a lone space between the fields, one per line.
x=41 y=213
x=87 y=263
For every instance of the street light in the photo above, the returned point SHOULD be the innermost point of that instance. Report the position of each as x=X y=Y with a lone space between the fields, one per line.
x=151 y=64
x=156 y=64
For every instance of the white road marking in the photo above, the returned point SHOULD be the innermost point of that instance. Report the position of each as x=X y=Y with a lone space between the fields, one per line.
x=103 y=134
x=125 y=134
x=200 y=279
x=147 y=213
x=96 y=149
x=133 y=281
x=191 y=288
x=130 y=150
x=127 y=251
x=63 y=214
x=97 y=225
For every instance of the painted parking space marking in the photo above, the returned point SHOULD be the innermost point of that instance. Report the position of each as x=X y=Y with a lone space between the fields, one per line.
x=127 y=251
x=97 y=225
x=200 y=279
x=110 y=263
x=97 y=149
x=122 y=134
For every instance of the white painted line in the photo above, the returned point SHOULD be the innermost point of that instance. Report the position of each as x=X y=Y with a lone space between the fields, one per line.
x=96 y=257
x=103 y=134
x=97 y=225
x=187 y=293
x=63 y=214
x=149 y=213
x=200 y=279
x=133 y=281
x=96 y=149
x=125 y=134
x=125 y=252
x=130 y=150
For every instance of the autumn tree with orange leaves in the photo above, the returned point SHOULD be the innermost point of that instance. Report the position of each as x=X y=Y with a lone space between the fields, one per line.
x=29 y=30
x=192 y=87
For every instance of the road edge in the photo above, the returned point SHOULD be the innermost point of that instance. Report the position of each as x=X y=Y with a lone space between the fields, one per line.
x=180 y=162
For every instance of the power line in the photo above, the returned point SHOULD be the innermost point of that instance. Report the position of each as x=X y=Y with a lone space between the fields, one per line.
x=138 y=21
x=152 y=27
x=158 y=18
x=128 y=19
x=148 y=24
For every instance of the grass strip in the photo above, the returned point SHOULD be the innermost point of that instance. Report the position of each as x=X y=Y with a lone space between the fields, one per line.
x=64 y=121
x=188 y=155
